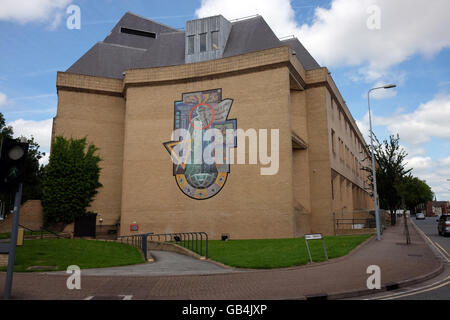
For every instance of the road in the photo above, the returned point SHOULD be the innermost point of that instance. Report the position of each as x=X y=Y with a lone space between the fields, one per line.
x=429 y=227
x=434 y=289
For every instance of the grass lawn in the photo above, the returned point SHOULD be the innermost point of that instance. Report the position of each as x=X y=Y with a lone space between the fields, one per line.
x=65 y=252
x=279 y=253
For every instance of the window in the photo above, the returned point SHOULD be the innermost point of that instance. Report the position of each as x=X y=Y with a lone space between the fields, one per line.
x=215 y=40
x=191 y=44
x=332 y=188
x=202 y=42
x=333 y=141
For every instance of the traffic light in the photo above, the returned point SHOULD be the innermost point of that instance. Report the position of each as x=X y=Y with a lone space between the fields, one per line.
x=12 y=164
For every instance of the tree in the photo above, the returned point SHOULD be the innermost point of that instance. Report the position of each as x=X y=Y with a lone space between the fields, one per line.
x=5 y=131
x=32 y=185
x=413 y=192
x=6 y=199
x=71 y=180
x=390 y=171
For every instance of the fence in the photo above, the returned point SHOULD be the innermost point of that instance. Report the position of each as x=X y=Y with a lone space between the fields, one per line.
x=358 y=221
x=138 y=241
x=189 y=240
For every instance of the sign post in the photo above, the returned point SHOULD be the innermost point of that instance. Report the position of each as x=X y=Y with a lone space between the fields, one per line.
x=12 y=244
x=315 y=236
x=13 y=157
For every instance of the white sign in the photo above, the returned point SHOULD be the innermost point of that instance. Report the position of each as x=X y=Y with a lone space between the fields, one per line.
x=315 y=236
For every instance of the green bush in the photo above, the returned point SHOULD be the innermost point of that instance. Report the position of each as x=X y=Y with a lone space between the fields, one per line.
x=71 y=180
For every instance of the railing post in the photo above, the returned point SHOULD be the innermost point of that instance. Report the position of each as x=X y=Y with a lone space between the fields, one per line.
x=206 y=235
x=144 y=246
x=196 y=242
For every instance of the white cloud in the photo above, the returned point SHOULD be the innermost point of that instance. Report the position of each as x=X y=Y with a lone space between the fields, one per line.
x=419 y=163
x=416 y=128
x=40 y=130
x=429 y=120
x=339 y=36
x=414 y=151
x=382 y=93
x=278 y=13
x=3 y=99
x=25 y=11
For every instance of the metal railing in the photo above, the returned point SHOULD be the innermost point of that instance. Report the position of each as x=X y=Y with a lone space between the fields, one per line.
x=189 y=240
x=138 y=241
x=42 y=231
x=366 y=223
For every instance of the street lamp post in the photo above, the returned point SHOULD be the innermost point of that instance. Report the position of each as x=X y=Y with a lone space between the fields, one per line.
x=375 y=193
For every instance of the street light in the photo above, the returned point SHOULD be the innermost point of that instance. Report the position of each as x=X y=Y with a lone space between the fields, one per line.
x=375 y=194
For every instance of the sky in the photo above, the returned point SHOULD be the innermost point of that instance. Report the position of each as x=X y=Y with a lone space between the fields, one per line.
x=364 y=44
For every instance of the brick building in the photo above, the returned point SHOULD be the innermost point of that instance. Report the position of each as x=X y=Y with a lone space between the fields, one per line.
x=129 y=92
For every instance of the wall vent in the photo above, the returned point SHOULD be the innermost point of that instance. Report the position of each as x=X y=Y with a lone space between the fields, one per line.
x=140 y=33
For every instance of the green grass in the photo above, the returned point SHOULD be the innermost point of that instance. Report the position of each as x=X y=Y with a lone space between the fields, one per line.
x=65 y=252
x=279 y=253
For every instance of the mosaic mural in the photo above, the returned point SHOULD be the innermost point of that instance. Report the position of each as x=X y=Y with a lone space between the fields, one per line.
x=195 y=115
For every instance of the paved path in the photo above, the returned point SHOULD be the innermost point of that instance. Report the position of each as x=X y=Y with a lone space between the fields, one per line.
x=397 y=261
x=166 y=263
x=437 y=288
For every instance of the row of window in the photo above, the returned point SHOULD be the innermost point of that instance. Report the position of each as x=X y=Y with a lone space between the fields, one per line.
x=203 y=42
x=345 y=187
x=348 y=129
x=345 y=155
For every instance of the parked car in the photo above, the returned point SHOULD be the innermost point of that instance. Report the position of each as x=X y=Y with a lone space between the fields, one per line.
x=420 y=216
x=444 y=225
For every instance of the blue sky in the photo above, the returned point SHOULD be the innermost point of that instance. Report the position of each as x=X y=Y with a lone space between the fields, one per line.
x=410 y=46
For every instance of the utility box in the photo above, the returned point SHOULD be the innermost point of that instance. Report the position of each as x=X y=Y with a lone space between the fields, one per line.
x=20 y=235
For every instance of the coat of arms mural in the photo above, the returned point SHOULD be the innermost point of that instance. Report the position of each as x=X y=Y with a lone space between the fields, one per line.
x=203 y=136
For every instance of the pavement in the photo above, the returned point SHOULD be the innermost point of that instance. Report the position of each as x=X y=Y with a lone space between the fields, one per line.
x=166 y=263
x=400 y=265
x=437 y=288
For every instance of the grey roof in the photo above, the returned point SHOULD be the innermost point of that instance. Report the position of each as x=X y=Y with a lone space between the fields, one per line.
x=107 y=60
x=133 y=21
x=120 y=51
x=167 y=50
x=305 y=58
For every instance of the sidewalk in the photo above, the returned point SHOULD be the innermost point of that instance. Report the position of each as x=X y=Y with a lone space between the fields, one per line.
x=166 y=264
x=397 y=261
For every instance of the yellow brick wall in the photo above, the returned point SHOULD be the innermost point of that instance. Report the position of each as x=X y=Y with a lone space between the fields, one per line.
x=130 y=120
x=100 y=118
x=250 y=205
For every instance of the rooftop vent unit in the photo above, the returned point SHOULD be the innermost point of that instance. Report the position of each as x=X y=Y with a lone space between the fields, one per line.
x=206 y=38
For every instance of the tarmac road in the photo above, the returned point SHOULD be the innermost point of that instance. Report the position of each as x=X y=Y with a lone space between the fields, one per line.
x=429 y=227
